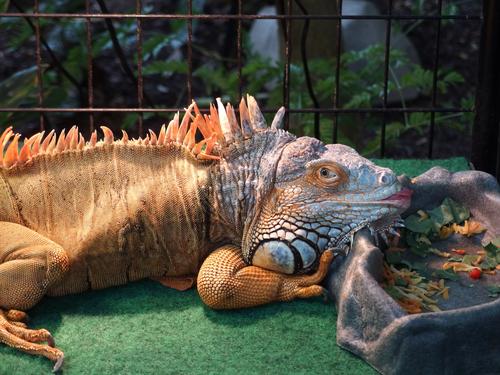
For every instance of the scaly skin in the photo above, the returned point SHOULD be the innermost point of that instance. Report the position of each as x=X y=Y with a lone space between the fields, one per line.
x=224 y=278
x=266 y=206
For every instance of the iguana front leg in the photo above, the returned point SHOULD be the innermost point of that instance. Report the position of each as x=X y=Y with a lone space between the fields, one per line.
x=225 y=281
x=29 y=265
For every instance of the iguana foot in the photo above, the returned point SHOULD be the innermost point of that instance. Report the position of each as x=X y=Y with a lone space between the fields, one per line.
x=14 y=333
x=306 y=286
x=226 y=282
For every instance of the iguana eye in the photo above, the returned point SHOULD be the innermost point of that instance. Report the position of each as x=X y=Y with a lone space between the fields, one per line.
x=327 y=174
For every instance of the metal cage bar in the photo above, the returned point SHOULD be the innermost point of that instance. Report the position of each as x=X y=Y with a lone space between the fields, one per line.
x=39 y=73
x=140 y=81
x=190 y=52
x=238 y=49
x=435 y=79
x=242 y=17
x=288 y=57
x=336 y=94
x=486 y=135
x=90 y=67
x=271 y=110
x=387 y=56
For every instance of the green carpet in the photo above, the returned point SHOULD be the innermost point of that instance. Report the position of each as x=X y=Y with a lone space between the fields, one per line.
x=414 y=167
x=144 y=328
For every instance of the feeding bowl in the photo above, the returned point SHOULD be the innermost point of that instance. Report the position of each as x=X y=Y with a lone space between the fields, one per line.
x=464 y=338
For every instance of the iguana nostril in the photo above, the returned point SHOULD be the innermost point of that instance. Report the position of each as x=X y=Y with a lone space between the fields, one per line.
x=386 y=178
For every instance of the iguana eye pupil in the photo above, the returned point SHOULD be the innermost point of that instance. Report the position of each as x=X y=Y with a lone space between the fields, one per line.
x=327 y=173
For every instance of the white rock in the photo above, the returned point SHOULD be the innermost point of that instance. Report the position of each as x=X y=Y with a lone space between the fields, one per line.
x=264 y=36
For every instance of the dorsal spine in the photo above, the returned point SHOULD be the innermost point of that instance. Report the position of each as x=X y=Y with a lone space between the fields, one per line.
x=218 y=129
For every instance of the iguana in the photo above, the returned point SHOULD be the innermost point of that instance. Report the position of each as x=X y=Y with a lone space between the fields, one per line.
x=253 y=211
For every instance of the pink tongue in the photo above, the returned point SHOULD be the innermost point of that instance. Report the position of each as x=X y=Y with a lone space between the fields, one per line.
x=401 y=195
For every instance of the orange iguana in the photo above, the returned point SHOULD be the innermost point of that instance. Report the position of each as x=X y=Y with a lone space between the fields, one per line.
x=250 y=210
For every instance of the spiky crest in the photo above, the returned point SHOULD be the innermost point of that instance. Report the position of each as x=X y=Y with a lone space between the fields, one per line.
x=219 y=129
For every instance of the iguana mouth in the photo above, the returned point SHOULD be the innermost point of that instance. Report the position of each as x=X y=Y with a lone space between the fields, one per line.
x=402 y=197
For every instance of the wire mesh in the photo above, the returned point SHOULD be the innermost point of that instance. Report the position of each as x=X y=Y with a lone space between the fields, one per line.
x=145 y=105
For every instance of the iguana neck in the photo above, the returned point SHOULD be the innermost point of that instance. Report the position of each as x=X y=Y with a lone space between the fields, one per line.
x=241 y=180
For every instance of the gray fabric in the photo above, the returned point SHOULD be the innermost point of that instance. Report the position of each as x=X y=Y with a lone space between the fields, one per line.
x=460 y=340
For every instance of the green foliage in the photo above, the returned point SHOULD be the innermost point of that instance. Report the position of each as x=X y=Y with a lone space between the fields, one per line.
x=4 y=4
x=424 y=227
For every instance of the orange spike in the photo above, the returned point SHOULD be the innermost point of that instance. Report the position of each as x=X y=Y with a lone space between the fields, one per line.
x=245 y=124
x=161 y=136
x=52 y=145
x=224 y=121
x=176 y=119
x=184 y=125
x=201 y=124
x=35 y=149
x=168 y=134
x=189 y=139
x=72 y=138
x=93 y=138
x=81 y=142
x=67 y=140
x=154 y=139
x=210 y=125
x=4 y=138
x=211 y=143
x=6 y=134
x=124 y=137
x=198 y=147
x=207 y=157
x=214 y=122
x=108 y=135
x=25 y=153
x=11 y=155
x=145 y=140
x=175 y=127
x=233 y=123
x=213 y=115
x=61 y=142
x=196 y=109
x=47 y=140
x=192 y=139
x=29 y=142
x=74 y=141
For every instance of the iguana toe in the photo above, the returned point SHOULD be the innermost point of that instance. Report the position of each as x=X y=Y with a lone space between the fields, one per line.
x=16 y=316
x=16 y=335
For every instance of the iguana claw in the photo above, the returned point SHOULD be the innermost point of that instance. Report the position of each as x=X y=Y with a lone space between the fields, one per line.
x=50 y=341
x=58 y=364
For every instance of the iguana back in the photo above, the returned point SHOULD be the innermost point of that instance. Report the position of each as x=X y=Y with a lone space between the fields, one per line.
x=122 y=211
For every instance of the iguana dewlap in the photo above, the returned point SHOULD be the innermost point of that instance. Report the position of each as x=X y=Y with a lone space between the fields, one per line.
x=250 y=209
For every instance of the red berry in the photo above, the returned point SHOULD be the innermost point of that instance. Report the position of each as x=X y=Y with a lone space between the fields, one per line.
x=475 y=273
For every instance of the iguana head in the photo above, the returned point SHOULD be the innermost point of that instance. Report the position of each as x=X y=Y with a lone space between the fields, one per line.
x=292 y=198
x=321 y=195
